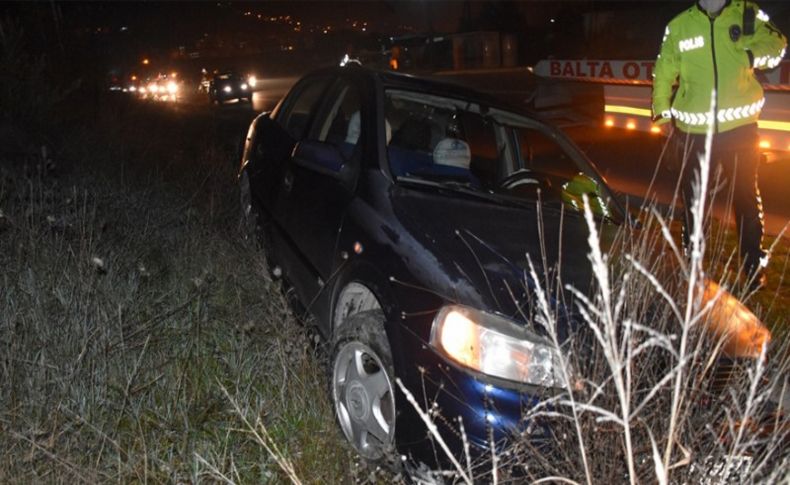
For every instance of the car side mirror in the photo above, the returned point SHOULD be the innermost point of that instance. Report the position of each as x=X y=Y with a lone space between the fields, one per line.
x=323 y=158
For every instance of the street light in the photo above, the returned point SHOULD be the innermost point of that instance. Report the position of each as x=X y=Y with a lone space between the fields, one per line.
x=146 y=61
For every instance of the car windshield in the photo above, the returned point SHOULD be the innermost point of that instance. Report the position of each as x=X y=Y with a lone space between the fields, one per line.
x=504 y=154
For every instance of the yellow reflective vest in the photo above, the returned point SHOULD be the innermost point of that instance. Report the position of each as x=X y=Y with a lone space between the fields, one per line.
x=713 y=60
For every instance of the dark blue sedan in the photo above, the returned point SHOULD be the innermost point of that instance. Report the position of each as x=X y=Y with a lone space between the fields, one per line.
x=401 y=212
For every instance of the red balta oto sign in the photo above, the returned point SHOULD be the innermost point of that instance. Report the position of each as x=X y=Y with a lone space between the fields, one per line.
x=637 y=72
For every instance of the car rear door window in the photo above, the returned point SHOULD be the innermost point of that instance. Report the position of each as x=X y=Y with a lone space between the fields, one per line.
x=296 y=117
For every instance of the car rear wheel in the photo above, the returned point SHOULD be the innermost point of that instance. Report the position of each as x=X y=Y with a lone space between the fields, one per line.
x=362 y=384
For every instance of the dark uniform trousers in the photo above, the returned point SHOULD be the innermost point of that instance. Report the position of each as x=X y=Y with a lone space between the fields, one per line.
x=734 y=159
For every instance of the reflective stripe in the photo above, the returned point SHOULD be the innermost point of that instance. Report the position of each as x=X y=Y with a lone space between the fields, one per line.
x=740 y=112
x=763 y=16
x=691 y=43
x=768 y=62
x=774 y=125
x=666 y=34
x=762 y=124
x=723 y=115
x=627 y=110
x=696 y=119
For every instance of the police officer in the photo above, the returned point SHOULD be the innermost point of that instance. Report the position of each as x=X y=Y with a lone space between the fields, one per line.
x=715 y=46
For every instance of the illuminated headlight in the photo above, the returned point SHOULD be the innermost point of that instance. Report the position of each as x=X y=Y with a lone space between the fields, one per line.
x=142 y=89
x=252 y=81
x=153 y=88
x=494 y=346
x=132 y=88
x=244 y=87
x=172 y=87
x=227 y=89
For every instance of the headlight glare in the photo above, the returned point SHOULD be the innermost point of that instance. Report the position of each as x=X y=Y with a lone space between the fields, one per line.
x=172 y=87
x=244 y=86
x=252 y=80
x=227 y=89
x=494 y=346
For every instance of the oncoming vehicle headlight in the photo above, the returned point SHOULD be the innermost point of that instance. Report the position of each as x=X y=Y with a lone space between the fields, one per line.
x=244 y=86
x=153 y=88
x=172 y=87
x=227 y=89
x=494 y=346
x=252 y=81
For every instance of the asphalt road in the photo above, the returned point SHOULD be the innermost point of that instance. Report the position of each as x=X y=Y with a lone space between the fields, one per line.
x=630 y=162
x=627 y=159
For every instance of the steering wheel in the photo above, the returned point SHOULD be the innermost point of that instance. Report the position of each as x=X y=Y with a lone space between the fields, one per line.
x=525 y=177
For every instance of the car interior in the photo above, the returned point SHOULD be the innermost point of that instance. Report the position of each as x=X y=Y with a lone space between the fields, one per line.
x=447 y=140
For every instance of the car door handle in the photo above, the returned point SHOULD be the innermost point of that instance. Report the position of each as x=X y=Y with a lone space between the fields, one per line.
x=288 y=181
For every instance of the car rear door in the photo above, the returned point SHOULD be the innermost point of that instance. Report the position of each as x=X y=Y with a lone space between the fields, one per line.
x=313 y=202
x=274 y=139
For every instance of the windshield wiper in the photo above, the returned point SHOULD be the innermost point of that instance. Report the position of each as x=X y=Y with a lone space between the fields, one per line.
x=463 y=188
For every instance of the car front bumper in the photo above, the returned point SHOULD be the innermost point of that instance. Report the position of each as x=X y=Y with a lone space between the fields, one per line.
x=494 y=413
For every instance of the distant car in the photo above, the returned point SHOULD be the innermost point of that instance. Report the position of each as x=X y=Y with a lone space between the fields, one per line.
x=228 y=86
x=400 y=210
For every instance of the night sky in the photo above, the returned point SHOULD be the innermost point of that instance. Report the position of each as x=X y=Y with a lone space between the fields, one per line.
x=116 y=36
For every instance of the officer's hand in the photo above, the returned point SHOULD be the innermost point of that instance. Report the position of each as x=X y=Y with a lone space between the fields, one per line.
x=662 y=118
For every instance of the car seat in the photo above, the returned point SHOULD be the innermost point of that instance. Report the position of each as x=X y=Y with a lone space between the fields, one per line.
x=410 y=147
x=452 y=158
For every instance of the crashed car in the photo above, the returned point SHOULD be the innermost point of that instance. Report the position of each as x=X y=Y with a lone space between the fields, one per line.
x=227 y=86
x=400 y=211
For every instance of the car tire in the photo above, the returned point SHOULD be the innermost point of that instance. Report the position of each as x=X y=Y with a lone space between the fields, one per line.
x=362 y=387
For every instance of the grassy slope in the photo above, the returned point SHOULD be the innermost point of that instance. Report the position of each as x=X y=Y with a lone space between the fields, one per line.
x=129 y=303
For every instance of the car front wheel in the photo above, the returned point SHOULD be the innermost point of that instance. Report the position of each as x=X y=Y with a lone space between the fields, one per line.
x=363 y=385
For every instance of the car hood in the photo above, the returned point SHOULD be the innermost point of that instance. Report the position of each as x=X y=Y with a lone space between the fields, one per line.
x=480 y=249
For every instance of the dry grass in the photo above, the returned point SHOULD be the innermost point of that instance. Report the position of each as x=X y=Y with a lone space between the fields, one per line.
x=137 y=329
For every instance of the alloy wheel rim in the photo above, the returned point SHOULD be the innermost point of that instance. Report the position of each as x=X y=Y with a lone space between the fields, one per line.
x=364 y=399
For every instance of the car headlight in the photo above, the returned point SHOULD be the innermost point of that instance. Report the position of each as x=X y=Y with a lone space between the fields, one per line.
x=227 y=89
x=494 y=346
x=244 y=87
x=172 y=87
x=252 y=81
x=153 y=88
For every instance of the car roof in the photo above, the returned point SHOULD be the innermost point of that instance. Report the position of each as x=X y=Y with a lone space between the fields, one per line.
x=411 y=82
